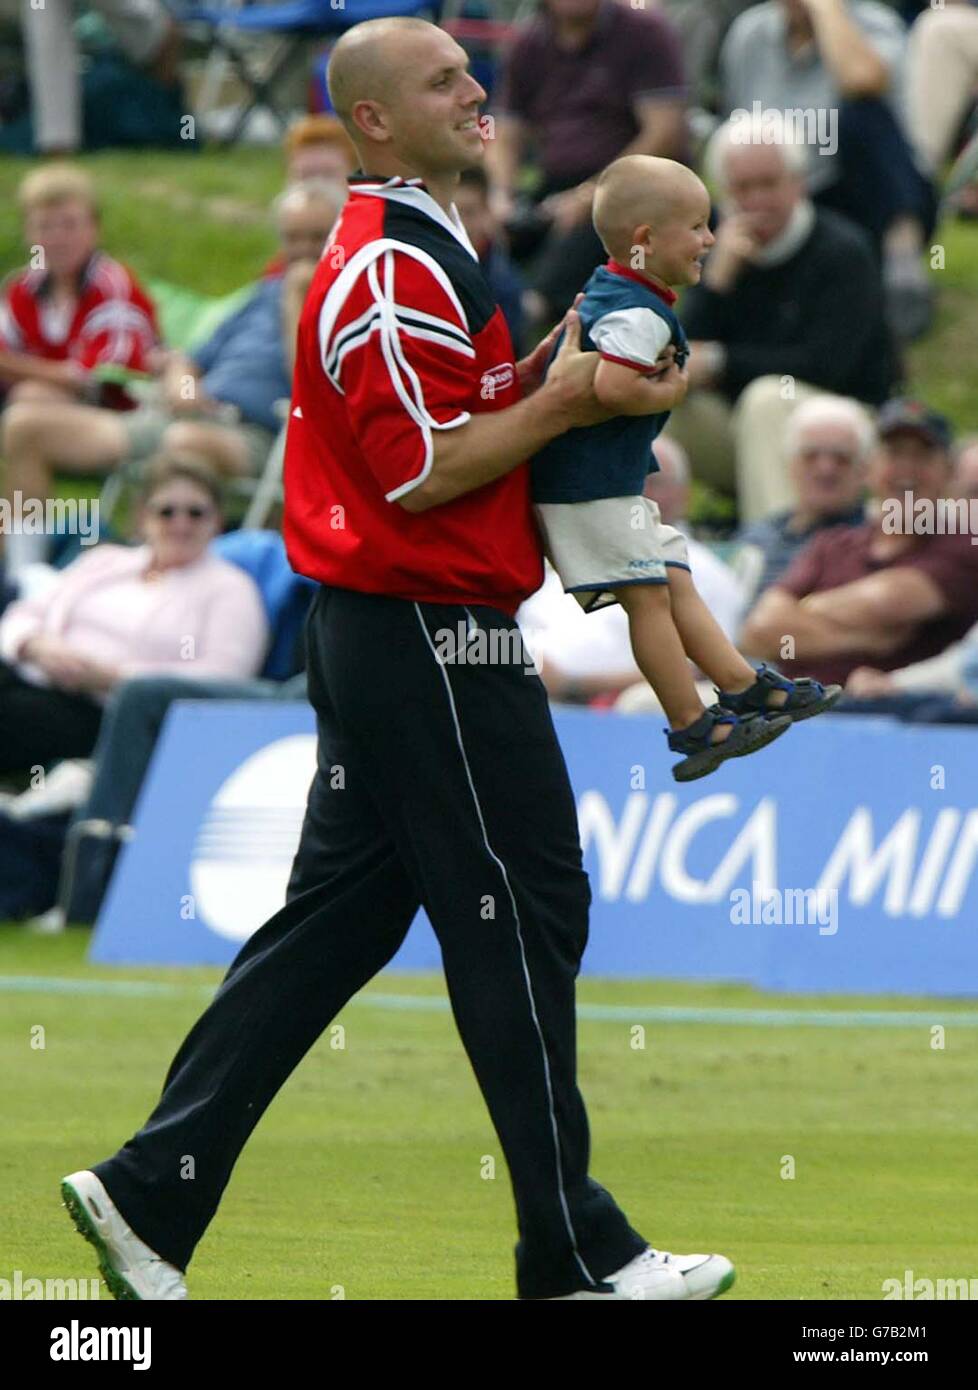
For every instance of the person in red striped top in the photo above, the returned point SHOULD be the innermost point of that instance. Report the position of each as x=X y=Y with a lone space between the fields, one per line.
x=70 y=313
x=73 y=308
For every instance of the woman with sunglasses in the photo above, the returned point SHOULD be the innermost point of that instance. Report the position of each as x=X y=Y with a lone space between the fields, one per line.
x=165 y=606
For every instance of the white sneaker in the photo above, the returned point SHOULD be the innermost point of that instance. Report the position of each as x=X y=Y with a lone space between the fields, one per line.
x=129 y=1267
x=655 y=1274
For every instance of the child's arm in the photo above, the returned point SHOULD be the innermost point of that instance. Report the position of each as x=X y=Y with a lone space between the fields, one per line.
x=627 y=391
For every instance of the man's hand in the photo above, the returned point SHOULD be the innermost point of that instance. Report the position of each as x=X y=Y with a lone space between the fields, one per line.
x=736 y=245
x=530 y=369
x=68 y=376
x=867 y=681
x=570 y=380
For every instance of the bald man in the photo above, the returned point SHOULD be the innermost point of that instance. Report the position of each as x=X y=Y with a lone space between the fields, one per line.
x=440 y=778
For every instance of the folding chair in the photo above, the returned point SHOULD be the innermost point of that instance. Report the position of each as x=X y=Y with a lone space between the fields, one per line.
x=294 y=23
x=267 y=492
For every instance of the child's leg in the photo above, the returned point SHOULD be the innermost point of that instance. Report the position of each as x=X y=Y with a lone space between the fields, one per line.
x=659 y=653
x=704 y=640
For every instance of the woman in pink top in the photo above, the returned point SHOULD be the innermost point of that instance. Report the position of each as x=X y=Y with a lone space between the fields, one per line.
x=120 y=611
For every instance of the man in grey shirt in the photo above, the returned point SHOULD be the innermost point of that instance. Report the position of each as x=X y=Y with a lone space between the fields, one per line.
x=836 y=67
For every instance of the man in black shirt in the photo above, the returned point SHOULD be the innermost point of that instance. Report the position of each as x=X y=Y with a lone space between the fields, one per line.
x=790 y=303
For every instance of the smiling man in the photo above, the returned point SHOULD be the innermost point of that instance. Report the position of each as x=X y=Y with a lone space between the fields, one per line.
x=407 y=498
x=876 y=595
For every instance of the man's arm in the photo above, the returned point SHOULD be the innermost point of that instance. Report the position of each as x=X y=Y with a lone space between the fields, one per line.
x=900 y=596
x=503 y=155
x=661 y=125
x=181 y=377
x=779 y=615
x=25 y=366
x=852 y=59
x=488 y=446
x=396 y=343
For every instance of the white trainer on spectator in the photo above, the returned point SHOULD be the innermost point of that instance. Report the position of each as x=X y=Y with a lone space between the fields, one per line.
x=655 y=1274
x=130 y=1268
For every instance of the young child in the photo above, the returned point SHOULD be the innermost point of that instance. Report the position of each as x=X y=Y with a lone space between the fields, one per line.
x=604 y=538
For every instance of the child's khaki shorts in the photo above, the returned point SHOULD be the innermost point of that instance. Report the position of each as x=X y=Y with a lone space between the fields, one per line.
x=597 y=547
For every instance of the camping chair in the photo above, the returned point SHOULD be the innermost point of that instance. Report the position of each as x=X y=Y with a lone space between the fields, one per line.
x=294 y=24
x=267 y=492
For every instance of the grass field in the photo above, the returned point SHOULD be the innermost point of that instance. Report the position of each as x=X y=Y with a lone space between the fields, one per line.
x=365 y=1171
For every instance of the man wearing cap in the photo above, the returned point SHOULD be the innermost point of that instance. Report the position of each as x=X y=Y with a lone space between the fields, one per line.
x=882 y=594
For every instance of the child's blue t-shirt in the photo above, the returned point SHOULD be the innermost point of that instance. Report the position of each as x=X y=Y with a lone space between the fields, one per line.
x=625 y=319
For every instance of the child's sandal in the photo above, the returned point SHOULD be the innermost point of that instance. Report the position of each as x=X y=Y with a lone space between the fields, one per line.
x=702 y=756
x=805 y=697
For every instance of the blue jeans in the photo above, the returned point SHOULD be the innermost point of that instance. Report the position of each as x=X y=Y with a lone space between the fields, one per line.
x=880 y=181
x=130 y=728
x=131 y=725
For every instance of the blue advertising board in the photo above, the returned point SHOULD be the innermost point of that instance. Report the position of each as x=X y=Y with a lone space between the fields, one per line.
x=841 y=859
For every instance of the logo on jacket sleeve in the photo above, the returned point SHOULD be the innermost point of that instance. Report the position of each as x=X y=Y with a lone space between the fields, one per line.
x=496 y=379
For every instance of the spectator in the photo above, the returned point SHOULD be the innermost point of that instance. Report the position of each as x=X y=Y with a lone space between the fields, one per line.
x=881 y=594
x=702 y=26
x=943 y=688
x=317 y=147
x=217 y=406
x=827 y=445
x=146 y=33
x=966 y=467
x=74 y=308
x=790 y=303
x=128 y=735
x=942 y=72
x=843 y=62
x=940 y=690
x=164 y=606
x=472 y=203
x=583 y=655
x=590 y=80
x=71 y=314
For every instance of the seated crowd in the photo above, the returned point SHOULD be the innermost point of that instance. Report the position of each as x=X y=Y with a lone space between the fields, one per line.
x=797 y=408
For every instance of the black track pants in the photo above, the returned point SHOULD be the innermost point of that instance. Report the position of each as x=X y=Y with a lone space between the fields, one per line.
x=440 y=782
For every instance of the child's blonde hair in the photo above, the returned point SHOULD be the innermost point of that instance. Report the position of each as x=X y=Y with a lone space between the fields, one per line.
x=54 y=184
